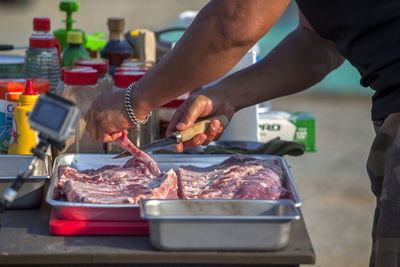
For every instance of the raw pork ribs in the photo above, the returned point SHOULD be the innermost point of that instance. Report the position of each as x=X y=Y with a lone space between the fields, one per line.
x=238 y=177
x=138 y=179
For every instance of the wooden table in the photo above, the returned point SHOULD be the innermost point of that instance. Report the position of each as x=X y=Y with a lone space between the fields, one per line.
x=25 y=239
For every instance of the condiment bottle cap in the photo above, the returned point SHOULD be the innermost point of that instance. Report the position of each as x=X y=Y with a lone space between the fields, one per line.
x=116 y=24
x=99 y=64
x=81 y=76
x=125 y=78
x=41 y=24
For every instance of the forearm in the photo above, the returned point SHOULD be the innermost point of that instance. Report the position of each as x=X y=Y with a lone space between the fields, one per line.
x=220 y=35
x=301 y=60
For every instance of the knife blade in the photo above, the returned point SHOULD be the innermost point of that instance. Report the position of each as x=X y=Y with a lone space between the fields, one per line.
x=179 y=136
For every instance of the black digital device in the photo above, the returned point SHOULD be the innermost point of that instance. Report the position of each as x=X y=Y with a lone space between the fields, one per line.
x=53 y=117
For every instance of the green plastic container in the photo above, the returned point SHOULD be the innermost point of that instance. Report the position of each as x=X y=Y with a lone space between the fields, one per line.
x=74 y=51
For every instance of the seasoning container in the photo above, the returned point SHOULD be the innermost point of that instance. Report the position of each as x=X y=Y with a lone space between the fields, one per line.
x=11 y=66
x=61 y=84
x=81 y=88
x=23 y=138
x=117 y=48
x=102 y=66
x=42 y=58
x=123 y=79
x=139 y=134
x=10 y=90
x=75 y=50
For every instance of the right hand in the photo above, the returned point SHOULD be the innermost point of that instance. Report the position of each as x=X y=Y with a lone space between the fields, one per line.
x=195 y=107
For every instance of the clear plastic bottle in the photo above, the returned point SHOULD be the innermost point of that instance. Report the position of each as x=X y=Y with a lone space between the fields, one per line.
x=117 y=48
x=42 y=58
x=102 y=67
x=74 y=51
x=81 y=88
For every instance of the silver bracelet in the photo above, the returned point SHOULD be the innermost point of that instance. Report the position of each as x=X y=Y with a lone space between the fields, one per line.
x=128 y=107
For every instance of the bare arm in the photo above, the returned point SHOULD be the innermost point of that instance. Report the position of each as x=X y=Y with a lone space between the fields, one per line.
x=223 y=31
x=221 y=34
x=299 y=61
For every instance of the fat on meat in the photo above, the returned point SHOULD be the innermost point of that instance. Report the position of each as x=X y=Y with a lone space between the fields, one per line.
x=238 y=177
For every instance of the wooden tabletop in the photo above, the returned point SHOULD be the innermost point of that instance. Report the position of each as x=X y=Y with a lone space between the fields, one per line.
x=25 y=239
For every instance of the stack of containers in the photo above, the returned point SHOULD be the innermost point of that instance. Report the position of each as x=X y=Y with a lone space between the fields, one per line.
x=104 y=78
x=81 y=88
x=42 y=58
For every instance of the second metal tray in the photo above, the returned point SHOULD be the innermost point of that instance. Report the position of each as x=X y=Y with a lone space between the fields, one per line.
x=131 y=212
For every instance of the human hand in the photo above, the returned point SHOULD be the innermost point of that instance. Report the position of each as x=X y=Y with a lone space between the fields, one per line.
x=107 y=117
x=196 y=107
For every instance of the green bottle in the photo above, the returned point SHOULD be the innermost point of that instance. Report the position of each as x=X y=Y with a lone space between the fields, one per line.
x=74 y=50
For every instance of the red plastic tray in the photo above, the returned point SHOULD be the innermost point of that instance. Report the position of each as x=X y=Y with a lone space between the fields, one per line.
x=69 y=227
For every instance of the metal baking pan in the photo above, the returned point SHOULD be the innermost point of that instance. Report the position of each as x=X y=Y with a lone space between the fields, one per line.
x=219 y=224
x=30 y=195
x=130 y=212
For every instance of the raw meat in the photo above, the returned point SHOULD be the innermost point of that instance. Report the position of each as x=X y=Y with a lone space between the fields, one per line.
x=115 y=184
x=139 y=157
x=139 y=178
x=238 y=177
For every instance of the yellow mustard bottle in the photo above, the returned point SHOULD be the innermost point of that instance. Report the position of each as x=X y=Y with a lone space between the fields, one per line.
x=23 y=138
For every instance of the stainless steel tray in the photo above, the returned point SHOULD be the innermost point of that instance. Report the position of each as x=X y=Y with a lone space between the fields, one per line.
x=219 y=224
x=130 y=212
x=30 y=195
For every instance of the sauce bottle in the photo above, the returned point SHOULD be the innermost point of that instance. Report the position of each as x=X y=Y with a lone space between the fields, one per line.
x=74 y=51
x=23 y=138
x=117 y=48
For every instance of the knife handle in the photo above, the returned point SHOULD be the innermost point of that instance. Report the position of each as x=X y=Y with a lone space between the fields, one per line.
x=200 y=127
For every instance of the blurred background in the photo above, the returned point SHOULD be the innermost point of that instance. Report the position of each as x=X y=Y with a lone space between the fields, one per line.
x=333 y=183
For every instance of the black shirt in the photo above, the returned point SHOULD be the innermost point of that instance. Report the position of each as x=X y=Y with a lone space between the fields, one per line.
x=367 y=34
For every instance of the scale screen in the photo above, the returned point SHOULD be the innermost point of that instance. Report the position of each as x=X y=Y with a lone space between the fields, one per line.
x=49 y=115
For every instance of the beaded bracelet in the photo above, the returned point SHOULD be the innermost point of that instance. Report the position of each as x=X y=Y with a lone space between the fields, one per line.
x=128 y=107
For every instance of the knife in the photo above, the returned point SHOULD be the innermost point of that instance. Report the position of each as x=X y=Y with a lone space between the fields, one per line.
x=179 y=136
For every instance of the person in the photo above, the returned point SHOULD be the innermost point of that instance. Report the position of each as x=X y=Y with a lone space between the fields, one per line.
x=365 y=32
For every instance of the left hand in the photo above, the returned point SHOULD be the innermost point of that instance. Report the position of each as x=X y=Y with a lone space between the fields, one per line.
x=107 y=118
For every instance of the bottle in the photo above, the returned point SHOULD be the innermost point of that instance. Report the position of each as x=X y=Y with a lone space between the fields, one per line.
x=123 y=79
x=102 y=66
x=61 y=85
x=42 y=58
x=117 y=48
x=74 y=51
x=69 y=7
x=23 y=138
x=81 y=88
x=140 y=134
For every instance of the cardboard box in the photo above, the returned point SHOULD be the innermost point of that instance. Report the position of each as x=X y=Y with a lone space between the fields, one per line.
x=290 y=126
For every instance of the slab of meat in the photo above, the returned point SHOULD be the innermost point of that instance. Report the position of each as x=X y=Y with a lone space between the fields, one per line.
x=238 y=177
x=139 y=178
x=115 y=184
